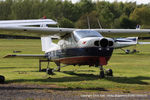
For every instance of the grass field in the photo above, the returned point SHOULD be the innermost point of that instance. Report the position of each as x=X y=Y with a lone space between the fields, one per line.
x=131 y=71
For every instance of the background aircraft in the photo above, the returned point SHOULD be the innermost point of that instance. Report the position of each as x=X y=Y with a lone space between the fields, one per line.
x=121 y=43
x=75 y=47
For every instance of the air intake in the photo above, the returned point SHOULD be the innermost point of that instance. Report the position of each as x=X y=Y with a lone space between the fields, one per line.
x=104 y=42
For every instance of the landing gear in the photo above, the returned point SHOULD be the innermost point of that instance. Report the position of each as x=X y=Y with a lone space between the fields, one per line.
x=127 y=51
x=49 y=71
x=109 y=72
x=58 y=68
x=101 y=74
x=104 y=72
x=2 y=79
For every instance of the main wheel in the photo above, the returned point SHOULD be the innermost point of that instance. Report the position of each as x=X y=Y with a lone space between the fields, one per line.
x=109 y=72
x=102 y=75
x=2 y=79
x=58 y=69
x=49 y=71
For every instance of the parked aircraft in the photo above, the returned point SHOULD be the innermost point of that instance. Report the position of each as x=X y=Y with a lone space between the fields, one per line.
x=121 y=43
x=75 y=47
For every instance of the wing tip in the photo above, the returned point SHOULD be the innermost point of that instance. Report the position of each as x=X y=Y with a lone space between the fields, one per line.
x=9 y=56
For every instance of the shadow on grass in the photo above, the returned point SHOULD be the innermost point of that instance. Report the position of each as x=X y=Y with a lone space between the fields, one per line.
x=28 y=87
x=15 y=67
x=130 y=80
x=75 y=77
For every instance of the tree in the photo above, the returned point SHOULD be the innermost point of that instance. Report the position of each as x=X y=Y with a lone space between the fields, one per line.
x=125 y=23
x=93 y=20
x=66 y=23
x=5 y=9
x=141 y=16
x=86 y=6
x=106 y=17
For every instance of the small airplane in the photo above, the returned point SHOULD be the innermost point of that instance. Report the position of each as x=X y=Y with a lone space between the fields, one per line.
x=75 y=47
x=120 y=43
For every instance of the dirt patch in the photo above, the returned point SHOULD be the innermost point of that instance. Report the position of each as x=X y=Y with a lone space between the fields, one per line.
x=53 y=92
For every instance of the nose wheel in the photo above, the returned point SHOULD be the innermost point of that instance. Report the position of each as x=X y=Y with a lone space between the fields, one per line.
x=104 y=72
x=2 y=79
x=101 y=74
x=109 y=72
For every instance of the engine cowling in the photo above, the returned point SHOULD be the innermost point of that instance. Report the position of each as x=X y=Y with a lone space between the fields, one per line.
x=104 y=43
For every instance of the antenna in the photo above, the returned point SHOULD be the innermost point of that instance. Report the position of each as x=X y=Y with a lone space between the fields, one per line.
x=100 y=26
x=88 y=22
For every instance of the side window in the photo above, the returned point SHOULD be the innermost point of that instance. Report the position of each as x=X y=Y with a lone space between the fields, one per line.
x=67 y=42
x=62 y=43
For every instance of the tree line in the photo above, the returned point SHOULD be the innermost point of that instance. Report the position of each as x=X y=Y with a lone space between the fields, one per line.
x=68 y=14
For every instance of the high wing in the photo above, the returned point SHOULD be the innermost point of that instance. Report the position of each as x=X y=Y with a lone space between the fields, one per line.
x=23 y=26
x=32 y=22
x=38 y=30
x=143 y=43
x=123 y=30
x=63 y=31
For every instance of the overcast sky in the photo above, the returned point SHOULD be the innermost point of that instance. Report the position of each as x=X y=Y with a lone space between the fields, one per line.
x=138 y=1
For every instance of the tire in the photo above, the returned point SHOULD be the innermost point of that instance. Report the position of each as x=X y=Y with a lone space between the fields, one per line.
x=2 y=79
x=109 y=72
x=102 y=75
x=49 y=71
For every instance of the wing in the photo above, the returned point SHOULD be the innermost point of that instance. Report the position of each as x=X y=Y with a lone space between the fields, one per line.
x=27 y=56
x=143 y=43
x=21 y=26
x=63 y=31
x=38 y=30
x=122 y=30
x=27 y=22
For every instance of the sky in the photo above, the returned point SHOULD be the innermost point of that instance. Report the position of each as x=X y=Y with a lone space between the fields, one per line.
x=137 y=1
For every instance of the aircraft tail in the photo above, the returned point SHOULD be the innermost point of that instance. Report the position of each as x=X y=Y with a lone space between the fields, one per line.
x=47 y=44
x=138 y=27
x=125 y=42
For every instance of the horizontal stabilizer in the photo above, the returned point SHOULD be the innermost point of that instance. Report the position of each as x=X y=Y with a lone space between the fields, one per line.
x=28 y=56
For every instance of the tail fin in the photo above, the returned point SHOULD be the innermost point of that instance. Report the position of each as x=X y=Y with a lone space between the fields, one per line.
x=138 y=27
x=47 y=44
x=125 y=42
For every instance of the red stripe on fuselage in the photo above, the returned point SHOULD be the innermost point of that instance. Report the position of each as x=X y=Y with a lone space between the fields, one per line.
x=84 y=60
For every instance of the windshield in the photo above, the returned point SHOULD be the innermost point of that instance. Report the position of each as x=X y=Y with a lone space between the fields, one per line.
x=79 y=34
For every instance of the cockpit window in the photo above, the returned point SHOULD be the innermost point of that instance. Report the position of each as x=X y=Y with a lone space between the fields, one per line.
x=79 y=34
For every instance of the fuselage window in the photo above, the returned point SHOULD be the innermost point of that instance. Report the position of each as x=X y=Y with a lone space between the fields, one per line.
x=79 y=34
